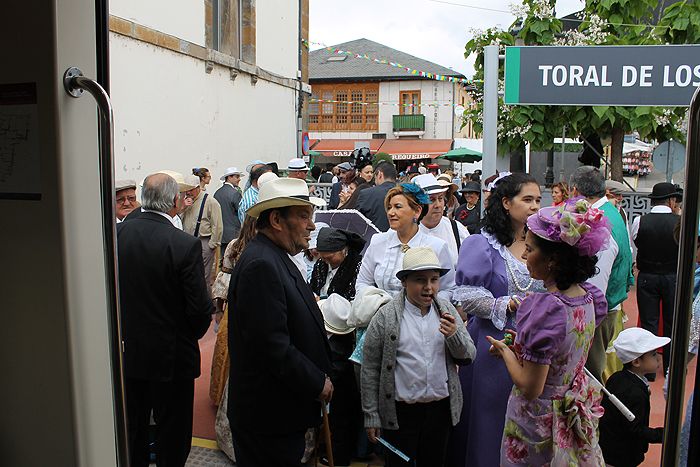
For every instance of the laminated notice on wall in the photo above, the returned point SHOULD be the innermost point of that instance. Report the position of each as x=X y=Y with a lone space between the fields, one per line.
x=20 y=176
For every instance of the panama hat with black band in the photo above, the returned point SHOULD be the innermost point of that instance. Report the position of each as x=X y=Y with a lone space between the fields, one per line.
x=283 y=192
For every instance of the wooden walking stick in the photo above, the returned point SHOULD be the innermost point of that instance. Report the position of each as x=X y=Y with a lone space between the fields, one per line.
x=327 y=435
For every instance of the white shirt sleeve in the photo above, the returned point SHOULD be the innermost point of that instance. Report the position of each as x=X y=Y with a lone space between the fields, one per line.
x=447 y=282
x=365 y=278
x=606 y=258
x=634 y=230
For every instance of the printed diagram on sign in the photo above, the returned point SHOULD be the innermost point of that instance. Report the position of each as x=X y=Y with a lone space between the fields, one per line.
x=14 y=133
x=20 y=160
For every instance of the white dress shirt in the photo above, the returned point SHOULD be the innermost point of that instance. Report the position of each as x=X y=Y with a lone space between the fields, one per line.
x=421 y=372
x=300 y=263
x=331 y=274
x=384 y=258
x=606 y=258
x=634 y=230
x=444 y=232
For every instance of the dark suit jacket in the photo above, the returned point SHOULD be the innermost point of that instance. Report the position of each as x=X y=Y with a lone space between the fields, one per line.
x=335 y=195
x=277 y=343
x=229 y=198
x=623 y=442
x=371 y=204
x=165 y=304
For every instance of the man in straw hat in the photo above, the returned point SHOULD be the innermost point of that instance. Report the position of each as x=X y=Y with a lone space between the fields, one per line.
x=280 y=358
x=165 y=309
x=183 y=200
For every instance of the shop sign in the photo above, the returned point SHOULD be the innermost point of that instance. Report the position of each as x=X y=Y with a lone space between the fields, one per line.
x=410 y=156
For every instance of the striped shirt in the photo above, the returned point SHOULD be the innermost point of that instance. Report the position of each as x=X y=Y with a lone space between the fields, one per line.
x=250 y=197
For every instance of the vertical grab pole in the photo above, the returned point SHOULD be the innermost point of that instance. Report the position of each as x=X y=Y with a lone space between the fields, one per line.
x=684 y=289
x=75 y=83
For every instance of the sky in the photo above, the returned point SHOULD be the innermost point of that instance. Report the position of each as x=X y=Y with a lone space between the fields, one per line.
x=435 y=30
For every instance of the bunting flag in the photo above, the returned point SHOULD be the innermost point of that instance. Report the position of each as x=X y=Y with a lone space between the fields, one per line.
x=422 y=74
x=314 y=100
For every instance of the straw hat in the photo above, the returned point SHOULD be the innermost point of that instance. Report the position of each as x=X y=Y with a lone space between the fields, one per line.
x=183 y=185
x=420 y=259
x=283 y=192
x=429 y=184
x=336 y=310
x=297 y=165
x=230 y=171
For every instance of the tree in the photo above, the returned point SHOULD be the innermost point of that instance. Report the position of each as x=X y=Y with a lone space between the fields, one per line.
x=603 y=22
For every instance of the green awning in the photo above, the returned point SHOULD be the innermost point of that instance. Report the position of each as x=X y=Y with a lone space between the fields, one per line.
x=461 y=155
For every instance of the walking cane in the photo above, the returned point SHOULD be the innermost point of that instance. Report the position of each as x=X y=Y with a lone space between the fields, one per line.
x=616 y=402
x=327 y=435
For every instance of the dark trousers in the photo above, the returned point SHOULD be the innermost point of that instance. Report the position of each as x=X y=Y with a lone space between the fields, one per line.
x=655 y=295
x=345 y=416
x=172 y=404
x=267 y=450
x=424 y=429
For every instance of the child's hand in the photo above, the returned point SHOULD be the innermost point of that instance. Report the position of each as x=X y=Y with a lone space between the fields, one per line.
x=448 y=325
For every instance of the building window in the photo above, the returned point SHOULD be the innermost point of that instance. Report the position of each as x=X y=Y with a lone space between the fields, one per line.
x=355 y=108
x=230 y=28
x=410 y=103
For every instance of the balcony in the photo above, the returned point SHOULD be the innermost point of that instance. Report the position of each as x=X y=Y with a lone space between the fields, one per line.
x=409 y=123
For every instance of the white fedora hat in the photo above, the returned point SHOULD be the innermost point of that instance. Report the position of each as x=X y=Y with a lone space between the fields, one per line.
x=429 y=184
x=183 y=185
x=297 y=164
x=283 y=192
x=336 y=310
x=230 y=171
x=420 y=259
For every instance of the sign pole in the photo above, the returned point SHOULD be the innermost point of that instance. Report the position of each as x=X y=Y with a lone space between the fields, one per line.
x=490 y=144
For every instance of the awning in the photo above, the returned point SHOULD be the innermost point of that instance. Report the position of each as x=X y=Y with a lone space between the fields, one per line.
x=414 y=149
x=344 y=147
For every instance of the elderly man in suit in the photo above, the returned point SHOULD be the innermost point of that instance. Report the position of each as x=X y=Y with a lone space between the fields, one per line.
x=165 y=308
x=280 y=357
x=229 y=198
x=371 y=201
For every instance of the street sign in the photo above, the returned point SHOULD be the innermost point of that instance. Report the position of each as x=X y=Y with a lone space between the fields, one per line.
x=664 y=75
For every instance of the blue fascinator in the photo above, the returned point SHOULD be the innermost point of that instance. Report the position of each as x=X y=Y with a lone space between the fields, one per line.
x=417 y=192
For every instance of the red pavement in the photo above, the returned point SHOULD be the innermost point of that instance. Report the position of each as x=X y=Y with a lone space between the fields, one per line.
x=205 y=411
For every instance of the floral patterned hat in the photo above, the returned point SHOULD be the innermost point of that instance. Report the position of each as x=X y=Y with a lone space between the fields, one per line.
x=575 y=223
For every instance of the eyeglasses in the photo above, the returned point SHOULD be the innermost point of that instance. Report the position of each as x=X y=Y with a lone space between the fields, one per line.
x=124 y=199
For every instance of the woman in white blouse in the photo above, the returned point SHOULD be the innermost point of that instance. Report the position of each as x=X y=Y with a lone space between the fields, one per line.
x=405 y=204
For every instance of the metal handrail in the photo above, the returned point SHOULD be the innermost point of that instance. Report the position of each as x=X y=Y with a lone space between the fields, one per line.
x=75 y=83
x=684 y=289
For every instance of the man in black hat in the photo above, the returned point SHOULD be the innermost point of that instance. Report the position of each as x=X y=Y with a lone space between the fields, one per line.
x=657 y=259
x=469 y=213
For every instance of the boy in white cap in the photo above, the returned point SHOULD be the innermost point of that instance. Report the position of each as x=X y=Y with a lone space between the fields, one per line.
x=624 y=443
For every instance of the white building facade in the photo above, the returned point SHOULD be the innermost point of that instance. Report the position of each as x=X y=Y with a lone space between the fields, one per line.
x=210 y=84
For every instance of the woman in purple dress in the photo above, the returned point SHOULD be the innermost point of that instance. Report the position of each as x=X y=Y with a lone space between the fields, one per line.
x=553 y=409
x=491 y=280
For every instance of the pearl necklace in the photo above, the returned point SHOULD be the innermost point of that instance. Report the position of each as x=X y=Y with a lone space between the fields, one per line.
x=470 y=208
x=515 y=280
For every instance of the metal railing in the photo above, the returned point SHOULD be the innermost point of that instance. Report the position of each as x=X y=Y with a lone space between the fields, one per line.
x=321 y=190
x=636 y=204
x=409 y=122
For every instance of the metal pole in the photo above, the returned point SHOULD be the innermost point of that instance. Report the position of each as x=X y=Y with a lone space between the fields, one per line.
x=668 y=161
x=489 y=159
x=684 y=289
x=490 y=145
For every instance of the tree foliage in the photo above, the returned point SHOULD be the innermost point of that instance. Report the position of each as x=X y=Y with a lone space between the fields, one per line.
x=603 y=22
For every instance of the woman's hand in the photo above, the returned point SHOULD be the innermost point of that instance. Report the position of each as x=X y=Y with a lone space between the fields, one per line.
x=373 y=434
x=448 y=325
x=498 y=348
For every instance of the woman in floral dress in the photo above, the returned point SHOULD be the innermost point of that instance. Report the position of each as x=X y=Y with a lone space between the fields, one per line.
x=553 y=409
x=491 y=279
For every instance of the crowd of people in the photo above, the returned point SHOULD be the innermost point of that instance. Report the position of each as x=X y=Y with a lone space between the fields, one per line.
x=451 y=337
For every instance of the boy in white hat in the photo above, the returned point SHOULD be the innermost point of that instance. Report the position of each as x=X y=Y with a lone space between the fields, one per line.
x=411 y=394
x=624 y=443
